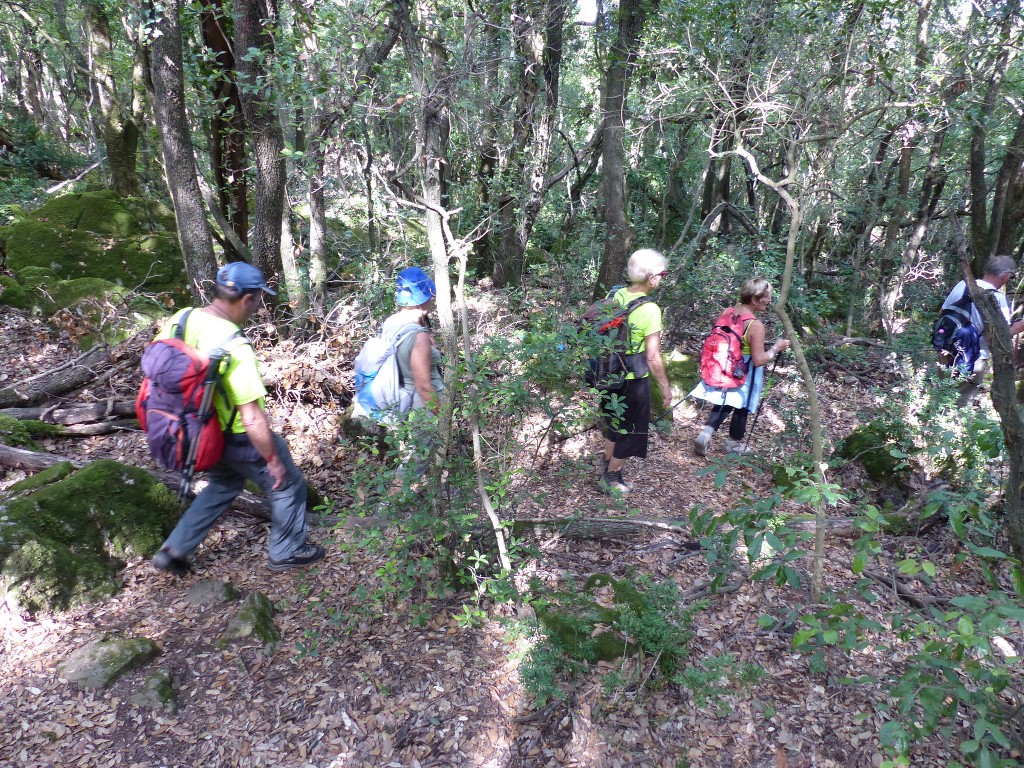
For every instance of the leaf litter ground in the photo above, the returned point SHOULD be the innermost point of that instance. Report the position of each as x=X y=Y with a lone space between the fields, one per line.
x=377 y=691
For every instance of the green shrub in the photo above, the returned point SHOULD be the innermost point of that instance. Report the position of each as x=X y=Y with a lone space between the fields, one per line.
x=645 y=618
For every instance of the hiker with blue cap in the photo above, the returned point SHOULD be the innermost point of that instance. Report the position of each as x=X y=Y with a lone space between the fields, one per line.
x=251 y=450
x=398 y=373
x=419 y=360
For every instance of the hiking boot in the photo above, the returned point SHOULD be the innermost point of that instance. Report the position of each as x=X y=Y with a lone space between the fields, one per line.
x=737 y=446
x=612 y=482
x=165 y=561
x=305 y=555
x=700 y=445
x=602 y=466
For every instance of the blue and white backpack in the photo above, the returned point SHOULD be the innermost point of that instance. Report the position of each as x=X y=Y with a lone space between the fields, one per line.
x=379 y=391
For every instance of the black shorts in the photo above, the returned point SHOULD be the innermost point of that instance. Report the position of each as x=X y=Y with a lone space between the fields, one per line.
x=629 y=429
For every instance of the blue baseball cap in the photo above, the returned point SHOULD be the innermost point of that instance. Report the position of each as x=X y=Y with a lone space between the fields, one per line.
x=242 y=276
x=414 y=287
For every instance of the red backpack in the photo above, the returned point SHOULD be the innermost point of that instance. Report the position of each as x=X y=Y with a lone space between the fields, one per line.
x=721 y=357
x=175 y=402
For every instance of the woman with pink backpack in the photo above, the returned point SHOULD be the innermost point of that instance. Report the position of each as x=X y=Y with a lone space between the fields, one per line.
x=732 y=367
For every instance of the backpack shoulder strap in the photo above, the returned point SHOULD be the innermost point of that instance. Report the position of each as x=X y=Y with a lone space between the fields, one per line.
x=179 y=327
x=403 y=333
x=636 y=303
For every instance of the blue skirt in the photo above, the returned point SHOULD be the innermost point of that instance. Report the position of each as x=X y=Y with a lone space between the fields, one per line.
x=747 y=396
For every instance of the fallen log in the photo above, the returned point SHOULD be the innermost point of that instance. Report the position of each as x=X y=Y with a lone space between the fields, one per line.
x=245 y=504
x=598 y=527
x=95 y=428
x=83 y=413
x=64 y=378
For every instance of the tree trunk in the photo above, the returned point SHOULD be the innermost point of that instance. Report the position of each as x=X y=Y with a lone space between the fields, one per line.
x=1008 y=200
x=983 y=238
x=537 y=35
x=116 y=125
x=430 y=75
x=176 y=142
x=255 y=21
x=489 y=156
x=1004 y=399
x=227 y=128
x=632 y=15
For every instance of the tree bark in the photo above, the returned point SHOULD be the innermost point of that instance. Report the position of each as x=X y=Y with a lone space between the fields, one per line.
x=176 y=142
x=116 y=126
x=255 y=21
x=227 y=129
x=537 y=35
x=983 y=238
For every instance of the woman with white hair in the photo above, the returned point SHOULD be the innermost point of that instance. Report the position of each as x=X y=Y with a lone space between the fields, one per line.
x=736 y=404
x=626 y=433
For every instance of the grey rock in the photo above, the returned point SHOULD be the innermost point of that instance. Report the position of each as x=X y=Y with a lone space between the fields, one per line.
x=157 y=692
x=253 y=620
x=206 y=593
x=99 y=663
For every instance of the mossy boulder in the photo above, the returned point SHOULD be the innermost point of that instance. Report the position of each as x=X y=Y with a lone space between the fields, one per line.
x=97 y=234
x=94 y=310
x=13 y=294
x=683 y=373
x=98 y=664
x=882 y=447
x=255 y=620
x=63 y=541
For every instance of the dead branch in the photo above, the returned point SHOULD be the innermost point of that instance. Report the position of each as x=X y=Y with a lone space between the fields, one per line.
x=95 y=428
x=900 y=590
x=859 y=340
x=596 y=528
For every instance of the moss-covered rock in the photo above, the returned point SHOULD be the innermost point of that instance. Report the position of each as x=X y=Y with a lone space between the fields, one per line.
x=157 y=692
x=96 y=234
x=94 y=310
x=101 y=662
x=62 y=543
x=683 y=373
x=255 y=619
x=881 y=446
x=33 y=277
x=13 y=294
x=207 y=593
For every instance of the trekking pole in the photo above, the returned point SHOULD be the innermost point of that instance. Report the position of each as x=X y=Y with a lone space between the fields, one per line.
x=771 y=374
x=668 y=410
x=203 y=415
